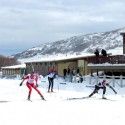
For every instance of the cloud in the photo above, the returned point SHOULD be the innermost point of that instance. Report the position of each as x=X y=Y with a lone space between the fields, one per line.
x=38 y=21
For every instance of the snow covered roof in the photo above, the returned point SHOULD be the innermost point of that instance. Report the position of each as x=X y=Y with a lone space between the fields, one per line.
x=14 y=66
x=59 y=58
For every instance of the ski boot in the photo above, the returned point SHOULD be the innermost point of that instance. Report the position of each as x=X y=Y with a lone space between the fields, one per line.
x=103 y=97
x=28 y=98
x=43 y=98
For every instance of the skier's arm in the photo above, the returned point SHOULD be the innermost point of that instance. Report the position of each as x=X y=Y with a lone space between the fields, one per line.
x=112 y=88
x=36 y=80
x=21 y=83
x=23 y=79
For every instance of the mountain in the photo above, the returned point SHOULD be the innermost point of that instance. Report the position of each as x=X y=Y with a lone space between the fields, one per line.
x=77 y=44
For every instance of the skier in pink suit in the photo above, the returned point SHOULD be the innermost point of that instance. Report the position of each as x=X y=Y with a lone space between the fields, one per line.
x=32 y=83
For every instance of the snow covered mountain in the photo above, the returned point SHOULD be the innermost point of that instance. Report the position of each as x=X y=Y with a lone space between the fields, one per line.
x=78 y=45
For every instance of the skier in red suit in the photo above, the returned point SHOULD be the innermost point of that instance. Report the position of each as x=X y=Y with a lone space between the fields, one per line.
x=32 y=83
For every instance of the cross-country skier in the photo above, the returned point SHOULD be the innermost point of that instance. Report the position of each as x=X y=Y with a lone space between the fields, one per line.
x=102 y=85
x=32 y=83
x=51 y=77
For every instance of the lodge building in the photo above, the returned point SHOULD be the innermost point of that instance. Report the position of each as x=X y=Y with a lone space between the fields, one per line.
x=42 y=67
x=13 y=71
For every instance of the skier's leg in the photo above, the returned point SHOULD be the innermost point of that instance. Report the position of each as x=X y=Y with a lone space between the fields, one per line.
x=38 y=91
x=95 y=91
x=49 y=84
x=104 y=91
x=52 y=85
x=91 y=94
x=30 y=90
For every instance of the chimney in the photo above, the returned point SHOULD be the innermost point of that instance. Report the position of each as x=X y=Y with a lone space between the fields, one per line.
x=123 y=34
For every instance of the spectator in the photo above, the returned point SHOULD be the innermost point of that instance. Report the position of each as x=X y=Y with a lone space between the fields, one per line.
x=103 y=52
x=68 y=71
x=64 y=73
x=96 y=53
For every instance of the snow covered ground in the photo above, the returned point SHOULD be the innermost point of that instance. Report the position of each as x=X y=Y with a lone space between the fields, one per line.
x=57 y=110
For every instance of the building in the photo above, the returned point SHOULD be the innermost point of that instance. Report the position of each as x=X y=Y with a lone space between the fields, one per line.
x=58 y=65
x=13 y=71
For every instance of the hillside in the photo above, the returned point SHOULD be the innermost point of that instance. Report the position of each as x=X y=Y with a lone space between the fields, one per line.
x=111 y=40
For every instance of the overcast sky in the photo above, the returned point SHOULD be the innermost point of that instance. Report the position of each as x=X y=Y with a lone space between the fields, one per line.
x=28 y=23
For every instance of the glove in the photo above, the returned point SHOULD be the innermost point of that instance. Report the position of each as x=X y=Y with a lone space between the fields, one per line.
x=37 y=85
x=21 y=84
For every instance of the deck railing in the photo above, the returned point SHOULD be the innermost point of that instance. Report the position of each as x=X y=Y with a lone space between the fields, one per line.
x=117 y=59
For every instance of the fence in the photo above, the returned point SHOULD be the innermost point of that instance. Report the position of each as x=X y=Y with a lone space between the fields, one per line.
x=113 y=80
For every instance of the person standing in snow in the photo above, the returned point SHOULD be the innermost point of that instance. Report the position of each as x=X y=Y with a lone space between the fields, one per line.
x=68 y=71
x=102 y=85
x=97 y=55
x=64 y=73
x=51 y=77
x=32 y=83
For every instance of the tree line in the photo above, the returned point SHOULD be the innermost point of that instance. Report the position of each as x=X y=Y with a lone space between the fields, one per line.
x=7 y=61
